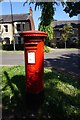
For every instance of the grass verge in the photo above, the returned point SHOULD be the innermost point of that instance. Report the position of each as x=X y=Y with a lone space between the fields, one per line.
x=60 y=101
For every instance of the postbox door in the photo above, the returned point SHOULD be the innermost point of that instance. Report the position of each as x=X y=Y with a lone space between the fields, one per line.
x=35 y=67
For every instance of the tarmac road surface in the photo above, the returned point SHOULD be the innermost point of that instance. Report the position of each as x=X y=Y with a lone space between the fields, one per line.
x=63 y=59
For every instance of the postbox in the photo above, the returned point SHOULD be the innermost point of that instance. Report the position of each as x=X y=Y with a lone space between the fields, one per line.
x=34 y=60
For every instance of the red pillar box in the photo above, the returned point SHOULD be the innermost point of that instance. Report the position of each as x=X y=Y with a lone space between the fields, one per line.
x=34 y=60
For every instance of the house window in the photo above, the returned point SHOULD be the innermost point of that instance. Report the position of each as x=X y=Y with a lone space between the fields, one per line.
x=6 y=28
x=19 y=40
x=23 y=27
x=18 y=27
x=27 y=26
x=0 y=28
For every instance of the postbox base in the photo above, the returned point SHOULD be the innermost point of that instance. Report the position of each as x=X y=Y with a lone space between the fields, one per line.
x=29 y=91
x=35 y=94
x=34 y=86
x=34 y=101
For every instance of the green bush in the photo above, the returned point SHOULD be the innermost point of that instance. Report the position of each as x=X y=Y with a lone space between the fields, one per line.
x=10 y=47
x=47 y=49
x=53 y=45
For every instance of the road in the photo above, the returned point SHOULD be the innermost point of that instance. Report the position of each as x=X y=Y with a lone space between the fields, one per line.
x=62 y=59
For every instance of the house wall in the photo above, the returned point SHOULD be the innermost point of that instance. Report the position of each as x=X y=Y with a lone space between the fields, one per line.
x=5 y=34
x=72 y=41
x=24 y=26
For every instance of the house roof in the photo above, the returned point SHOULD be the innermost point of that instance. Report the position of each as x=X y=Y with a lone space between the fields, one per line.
x=16 y=17
x=59 y=23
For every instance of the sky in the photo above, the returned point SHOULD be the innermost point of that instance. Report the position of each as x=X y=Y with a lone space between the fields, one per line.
x=18 y=8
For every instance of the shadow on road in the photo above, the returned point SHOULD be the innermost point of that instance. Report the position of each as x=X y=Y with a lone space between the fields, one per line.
x=67 y=63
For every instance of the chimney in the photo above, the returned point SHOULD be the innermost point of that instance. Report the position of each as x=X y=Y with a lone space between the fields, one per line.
x=31 y=11
x=31 y=19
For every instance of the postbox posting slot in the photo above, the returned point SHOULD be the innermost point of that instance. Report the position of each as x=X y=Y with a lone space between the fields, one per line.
x=31 y=45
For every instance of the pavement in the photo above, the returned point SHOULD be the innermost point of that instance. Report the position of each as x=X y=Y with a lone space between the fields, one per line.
x=61 y=59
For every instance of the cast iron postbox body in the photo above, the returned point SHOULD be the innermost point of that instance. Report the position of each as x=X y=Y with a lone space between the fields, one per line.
x=34 y=60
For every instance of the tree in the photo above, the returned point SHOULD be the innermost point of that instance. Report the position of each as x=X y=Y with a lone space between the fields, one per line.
x=49 y=30
x=66 y=33
x=47 y=13
x=46 y=18
x=73 y=8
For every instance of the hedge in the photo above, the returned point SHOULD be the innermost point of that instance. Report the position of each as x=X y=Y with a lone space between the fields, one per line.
x=10 y=47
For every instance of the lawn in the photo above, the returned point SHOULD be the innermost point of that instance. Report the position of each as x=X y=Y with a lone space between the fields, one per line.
x=60 y=100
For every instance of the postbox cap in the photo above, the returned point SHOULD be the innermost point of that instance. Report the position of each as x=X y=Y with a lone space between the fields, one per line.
x=33 y=33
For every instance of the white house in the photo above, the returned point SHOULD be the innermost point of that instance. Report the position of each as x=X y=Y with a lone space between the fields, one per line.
x=12 y=25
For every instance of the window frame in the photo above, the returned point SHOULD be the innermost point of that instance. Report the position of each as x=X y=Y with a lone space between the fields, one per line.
x=6 y=28
x=18 y=27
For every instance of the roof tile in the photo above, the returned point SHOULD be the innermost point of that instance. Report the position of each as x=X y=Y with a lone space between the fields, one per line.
x=16 y=17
